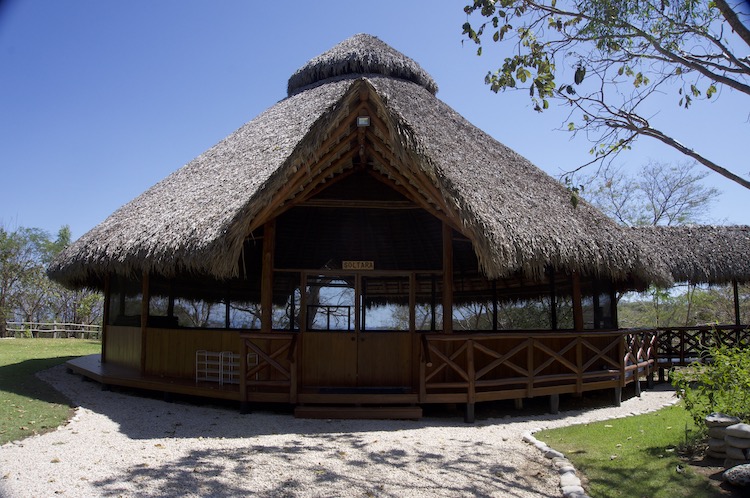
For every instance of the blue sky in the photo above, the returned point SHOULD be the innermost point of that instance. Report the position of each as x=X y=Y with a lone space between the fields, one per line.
x=100 y=100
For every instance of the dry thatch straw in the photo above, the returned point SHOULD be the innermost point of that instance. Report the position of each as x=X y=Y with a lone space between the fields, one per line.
x=519 y=219
x=702 y=254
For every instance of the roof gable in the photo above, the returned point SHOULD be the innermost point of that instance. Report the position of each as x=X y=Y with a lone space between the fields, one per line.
x=346 y=147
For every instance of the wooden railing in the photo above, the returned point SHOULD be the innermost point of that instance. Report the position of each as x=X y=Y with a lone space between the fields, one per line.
x=53 y=329
x=467 y=368
x=474 y=367
x=680 y=346
x=274 y=377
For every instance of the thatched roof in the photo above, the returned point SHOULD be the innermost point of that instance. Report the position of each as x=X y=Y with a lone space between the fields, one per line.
x=519 y=219
x=360 y=55
x=702 y=254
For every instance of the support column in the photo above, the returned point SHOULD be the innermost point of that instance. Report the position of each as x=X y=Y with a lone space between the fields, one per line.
x=577 y=304
x=145 y=297
x=554 y=403
x=447 y=278
x=105 y=315
x=266 y=283
x=737 y=320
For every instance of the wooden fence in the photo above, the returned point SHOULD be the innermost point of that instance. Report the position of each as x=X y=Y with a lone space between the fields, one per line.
x=680 y=346
x=54 y=330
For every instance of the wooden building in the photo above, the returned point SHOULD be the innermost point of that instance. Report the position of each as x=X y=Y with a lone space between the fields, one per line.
x=359 y=245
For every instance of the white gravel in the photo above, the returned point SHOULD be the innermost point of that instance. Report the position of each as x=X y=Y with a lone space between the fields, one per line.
x=123 y=445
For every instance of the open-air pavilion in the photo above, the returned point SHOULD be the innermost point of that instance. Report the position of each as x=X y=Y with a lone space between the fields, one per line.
x=360 y=249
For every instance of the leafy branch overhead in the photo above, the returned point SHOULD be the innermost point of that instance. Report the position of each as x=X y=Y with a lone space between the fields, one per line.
x=618 y=55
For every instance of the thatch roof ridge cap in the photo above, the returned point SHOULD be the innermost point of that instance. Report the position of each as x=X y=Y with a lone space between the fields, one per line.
x=358 y=55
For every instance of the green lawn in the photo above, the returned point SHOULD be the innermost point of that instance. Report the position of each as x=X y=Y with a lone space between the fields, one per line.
x=28 y=405
x=633 y=456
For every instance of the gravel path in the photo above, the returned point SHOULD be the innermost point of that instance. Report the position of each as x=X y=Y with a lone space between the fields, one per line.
x=123 y=445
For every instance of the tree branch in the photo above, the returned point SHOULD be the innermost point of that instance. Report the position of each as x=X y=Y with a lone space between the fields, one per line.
x=734 y=21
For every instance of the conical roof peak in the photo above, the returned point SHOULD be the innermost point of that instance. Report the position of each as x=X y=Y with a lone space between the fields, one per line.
x=360 y=54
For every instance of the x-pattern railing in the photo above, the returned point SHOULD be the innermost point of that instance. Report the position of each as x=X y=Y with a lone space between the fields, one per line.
x=275 y=371
x=474 y=363
x=511 y=364
x=684 y=345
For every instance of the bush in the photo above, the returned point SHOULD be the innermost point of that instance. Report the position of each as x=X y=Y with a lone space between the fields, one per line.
x=721 y=383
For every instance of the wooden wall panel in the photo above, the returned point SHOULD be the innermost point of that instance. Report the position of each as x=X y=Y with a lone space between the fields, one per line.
x=385 y=359
x=171 y=352
x=123 y=345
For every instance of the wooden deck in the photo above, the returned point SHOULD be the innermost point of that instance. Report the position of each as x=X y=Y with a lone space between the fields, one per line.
x=109 y=374
x=452 y=368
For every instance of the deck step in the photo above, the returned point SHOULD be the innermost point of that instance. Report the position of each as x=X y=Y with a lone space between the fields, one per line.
x=359 y=412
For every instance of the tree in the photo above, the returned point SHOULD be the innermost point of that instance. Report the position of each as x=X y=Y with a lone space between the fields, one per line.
x=622 y=53
x=658 y=194
x=22 y=255
x=25 y=290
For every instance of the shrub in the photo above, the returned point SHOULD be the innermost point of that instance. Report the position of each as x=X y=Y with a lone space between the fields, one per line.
x=721 y=383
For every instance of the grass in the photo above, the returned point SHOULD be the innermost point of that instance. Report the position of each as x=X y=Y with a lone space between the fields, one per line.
x=633 y=456
x=29 y=405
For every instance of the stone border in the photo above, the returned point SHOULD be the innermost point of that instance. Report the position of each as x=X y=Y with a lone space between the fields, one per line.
x=570 y=483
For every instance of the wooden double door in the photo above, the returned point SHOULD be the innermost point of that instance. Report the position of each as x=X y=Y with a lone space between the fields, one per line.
x=356 y=334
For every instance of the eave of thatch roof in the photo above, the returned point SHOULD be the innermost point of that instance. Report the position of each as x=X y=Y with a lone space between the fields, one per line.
x=702 y=254
x=519 y=219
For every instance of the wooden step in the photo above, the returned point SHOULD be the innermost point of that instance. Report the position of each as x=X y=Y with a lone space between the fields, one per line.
x=359 y=412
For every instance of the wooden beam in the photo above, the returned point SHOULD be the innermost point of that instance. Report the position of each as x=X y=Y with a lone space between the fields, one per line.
x=304 y=193
x=359 y=204
x=412 y=302
x=577 y=302
x=737 y=320
x=447 y=278
x=417 y=177
x=407 y=189
x=105 y=314
x=144 y=318
x=335 y=142
x=266 y=282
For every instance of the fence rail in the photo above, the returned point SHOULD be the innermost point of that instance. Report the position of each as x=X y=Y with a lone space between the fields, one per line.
x=680 y=346
x=54 y=330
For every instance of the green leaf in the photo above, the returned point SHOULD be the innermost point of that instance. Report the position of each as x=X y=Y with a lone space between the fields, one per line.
x=571 y=126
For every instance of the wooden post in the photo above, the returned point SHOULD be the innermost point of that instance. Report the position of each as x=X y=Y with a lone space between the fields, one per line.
x=554 y=403
x=266 y=284
x=621 y=350
x=553 y=299
x=494 y=305
x=577 y=302
x=737 y=320
x=244 y=405
x=471 y=373
x=412 y=302
x=447 y=278
x=105 y=315
x=144 y=318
